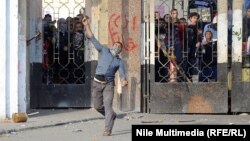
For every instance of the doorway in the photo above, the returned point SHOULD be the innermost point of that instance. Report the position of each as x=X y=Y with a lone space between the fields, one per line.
x=60 y=76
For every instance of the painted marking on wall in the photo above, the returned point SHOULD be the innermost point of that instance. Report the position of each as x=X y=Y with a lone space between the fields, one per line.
x=118 y=23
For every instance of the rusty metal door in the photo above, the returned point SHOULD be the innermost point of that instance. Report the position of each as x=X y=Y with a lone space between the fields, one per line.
x=240 y=96
x=168 y=62
x=61 y=78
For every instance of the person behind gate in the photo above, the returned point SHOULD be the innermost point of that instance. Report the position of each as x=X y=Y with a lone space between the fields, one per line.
x=103 y=85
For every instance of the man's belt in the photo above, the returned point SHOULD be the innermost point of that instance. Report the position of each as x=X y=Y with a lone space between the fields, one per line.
x=100 y=77
x=98 y=81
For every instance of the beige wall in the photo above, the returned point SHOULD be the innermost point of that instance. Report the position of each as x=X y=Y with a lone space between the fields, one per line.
x=125 y=26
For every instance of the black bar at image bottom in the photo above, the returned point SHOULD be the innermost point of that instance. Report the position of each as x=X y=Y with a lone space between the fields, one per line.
x=192 y=132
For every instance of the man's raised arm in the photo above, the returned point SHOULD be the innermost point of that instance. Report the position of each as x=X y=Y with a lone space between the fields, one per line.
x=85 y=22
x=90 y=35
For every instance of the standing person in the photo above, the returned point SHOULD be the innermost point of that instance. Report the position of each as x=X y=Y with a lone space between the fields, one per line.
x=174 y=16
x=208 y=58
x=78 y=43
x=62 y=47
x=212 y=27
x=191 y=49
x=103 y=85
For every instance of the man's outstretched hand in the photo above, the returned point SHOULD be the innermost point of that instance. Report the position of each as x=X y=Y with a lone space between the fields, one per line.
x=87 y=27
x=124 y=83
x=85 y=21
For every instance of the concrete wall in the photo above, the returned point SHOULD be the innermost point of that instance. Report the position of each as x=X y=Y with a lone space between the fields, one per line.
x=23 y=51
x=13 y=58
x=35 y=25
x=92 y=9
x=3 y=59
x=124 y=25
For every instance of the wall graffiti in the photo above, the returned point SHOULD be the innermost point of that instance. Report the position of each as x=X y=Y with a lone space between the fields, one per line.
x=117 y=24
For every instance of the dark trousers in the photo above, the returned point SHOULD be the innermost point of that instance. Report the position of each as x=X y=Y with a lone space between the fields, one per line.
x=103 y=95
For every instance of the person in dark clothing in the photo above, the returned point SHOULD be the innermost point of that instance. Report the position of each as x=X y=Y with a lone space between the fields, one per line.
x=48 y=27
x=78 y=43
x=103 y=86
x=60 y=73
x=160 y=33
x=208 y=60
x=48 y=35
x=172 y=44
x=174 y=16
x=190 y=61
x=76 y=65
x=62 y=41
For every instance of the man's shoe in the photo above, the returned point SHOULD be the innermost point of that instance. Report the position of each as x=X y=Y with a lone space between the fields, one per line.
x=106 y=132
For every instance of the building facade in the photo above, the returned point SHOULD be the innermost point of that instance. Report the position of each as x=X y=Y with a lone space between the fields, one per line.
x=36 y=73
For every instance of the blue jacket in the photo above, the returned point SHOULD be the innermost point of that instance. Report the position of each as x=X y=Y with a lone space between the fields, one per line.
x=107 y=63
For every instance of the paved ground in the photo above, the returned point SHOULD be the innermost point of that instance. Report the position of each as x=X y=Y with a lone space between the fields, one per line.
x=84 y=131
x=87 y=125
x=47 y=118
